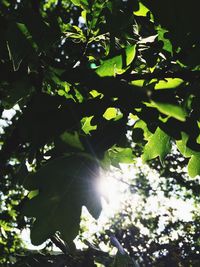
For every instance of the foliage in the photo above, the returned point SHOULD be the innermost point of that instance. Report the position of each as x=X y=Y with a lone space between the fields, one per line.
x=77 y=73
x=158 y=235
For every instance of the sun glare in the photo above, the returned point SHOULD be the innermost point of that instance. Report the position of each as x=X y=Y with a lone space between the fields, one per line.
x=111 y=190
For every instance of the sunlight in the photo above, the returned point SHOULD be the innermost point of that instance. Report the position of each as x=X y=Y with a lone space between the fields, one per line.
x=111 y=189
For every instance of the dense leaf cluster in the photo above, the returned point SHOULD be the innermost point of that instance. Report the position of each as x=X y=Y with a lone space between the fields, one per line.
x=88 y=80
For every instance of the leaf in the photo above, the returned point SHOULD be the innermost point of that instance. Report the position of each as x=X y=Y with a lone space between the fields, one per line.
x=120 y=155
x=142 y=11
x=86 y=125
x=71 y=139
x=18 y=45
x=171 y=110
x=166 y=42
x=158 y=145
x=110 y=113
x=194 y=162
x=117 y=64
x=120 y=260
x=182 y=146
x=43 y=34
x=33 y=193
x=17 y=91
x=81 y=3
x=45 y=119
x=137 y=135
x=139 y=83
x=140 y=124
x=194 y=165
x=182 y=26
x=168 y=83
x=65 y=185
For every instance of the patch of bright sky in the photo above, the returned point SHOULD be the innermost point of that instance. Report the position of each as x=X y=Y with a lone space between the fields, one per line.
x=6 y=117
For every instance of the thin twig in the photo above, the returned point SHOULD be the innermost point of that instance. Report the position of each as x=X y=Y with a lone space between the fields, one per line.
x=187 y=75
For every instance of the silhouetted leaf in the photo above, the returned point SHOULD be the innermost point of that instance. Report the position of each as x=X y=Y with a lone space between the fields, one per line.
x=122 y=260
x=137 y=135
x=19 y=46
x=65 y=185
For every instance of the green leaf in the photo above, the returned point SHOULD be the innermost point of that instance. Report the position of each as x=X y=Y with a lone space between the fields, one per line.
x=181 y=145
x=118 y=155
x=110 y=113
x=81 y=3
x=171 y=110
x=161 y=37
x=117 y=64
x=72 y=139
x=142 y=11
x=194 y=165
x=122 y=260
x=194 y=162
x=33 y=193
x=158 y=145
x=65 y=185
x=86 y=125
x=139 y=83
x=168 y=83
x=140 y=124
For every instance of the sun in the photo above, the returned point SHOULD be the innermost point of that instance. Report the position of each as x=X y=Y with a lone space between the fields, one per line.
x=112 y=192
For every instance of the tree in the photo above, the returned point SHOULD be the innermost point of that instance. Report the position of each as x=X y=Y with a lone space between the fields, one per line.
x=161 y=234
x=77 y=73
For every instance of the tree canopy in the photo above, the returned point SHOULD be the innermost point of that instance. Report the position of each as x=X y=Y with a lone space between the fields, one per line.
x=91 y=84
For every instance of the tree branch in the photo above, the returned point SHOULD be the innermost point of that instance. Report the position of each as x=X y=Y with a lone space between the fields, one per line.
x=58 y=242
x=186 y=75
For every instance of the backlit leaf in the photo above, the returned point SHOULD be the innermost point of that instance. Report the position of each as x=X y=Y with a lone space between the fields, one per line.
x=168 y=83
x=142 y=11
x=117 y=64
x=171 y=110
x=182 y=146
x=118 y=155
x=194 y=162
x=87 y=127
x=110 y=113
x=158 y=145
x=194 y=165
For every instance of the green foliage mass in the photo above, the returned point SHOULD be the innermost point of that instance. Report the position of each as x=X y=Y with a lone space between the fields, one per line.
x=62 y=208
x=83 y=76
